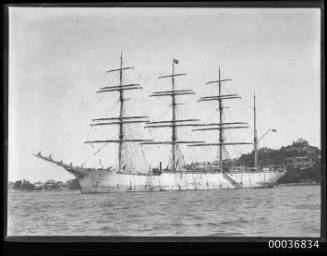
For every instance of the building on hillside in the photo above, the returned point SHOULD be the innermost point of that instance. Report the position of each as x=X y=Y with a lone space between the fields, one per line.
x=38 y=185
x=50 y=184
x=73 y=184
x=301 y=146
x=300 y=162
x=61 y=185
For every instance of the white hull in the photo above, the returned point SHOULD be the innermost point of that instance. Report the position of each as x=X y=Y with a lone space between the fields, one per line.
x=105 y=180
x=102 y=181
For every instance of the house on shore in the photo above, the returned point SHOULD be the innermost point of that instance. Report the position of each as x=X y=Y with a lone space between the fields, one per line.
x=50 y=185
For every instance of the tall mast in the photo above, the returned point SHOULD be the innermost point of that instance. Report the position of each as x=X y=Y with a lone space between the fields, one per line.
x=121 y=120
x=221 y=140
x=121 y=113
x=220 y=126
x=255 y=140
x=173 y=123
x=173 y=135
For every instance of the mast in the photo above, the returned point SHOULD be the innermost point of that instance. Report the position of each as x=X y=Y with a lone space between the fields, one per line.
x=255 y=140
x=220 y=126
x=173 y=123
x=121 y=112
x=173 y=104
x=121 y=120
x=221 y=140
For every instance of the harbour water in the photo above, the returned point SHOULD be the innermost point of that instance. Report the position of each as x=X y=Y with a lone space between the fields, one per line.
x=282 y=211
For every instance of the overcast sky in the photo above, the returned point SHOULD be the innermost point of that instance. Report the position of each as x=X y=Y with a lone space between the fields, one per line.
x=58 y=58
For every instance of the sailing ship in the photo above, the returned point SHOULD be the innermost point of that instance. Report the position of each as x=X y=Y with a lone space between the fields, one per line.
x=176 y=176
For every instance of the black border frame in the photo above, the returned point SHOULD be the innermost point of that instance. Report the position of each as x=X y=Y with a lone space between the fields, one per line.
x=73 y=245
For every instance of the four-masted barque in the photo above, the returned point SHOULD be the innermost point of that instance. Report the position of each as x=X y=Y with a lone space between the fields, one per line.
x=176 y=176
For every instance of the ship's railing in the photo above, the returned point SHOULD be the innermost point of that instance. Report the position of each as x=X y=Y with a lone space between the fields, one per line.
x=263 y=169
x=279 y=168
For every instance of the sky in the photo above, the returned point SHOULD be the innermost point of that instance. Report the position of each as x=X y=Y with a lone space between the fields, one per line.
x=58 y=58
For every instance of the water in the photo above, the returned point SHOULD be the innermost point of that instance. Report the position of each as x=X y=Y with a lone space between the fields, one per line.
x=281 y=211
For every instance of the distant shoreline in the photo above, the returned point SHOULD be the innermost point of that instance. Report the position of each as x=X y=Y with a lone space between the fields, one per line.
x=43 y=191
